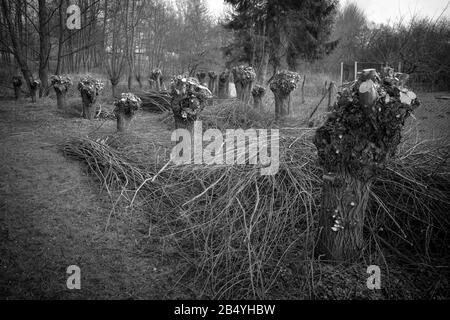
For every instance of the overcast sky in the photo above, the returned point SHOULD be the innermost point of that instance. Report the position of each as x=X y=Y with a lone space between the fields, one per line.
x=380 y=10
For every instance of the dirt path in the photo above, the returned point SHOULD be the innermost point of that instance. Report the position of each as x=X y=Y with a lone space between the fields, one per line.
x=53 y=215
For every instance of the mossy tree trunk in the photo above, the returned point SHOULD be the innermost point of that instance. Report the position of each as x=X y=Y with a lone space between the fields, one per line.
x=282 y=105
x=60 y=99
x=88 y=106
x=123 y=122
x=341 y=218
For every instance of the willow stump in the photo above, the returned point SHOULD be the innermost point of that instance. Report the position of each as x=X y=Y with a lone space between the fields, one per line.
x=224 y=85
x=282 y=84
x=243 y=80
x=258 y=93
x=189 y=98
x=201 y=76
x=61 y=85
x=89 y=89
x=356 y=141
x=212 y=83
x=17 y=84
x=34 y=89
x=125 y=109
x=156 y=76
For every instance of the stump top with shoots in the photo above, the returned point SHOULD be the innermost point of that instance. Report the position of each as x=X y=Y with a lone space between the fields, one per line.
x=284 y=82
x=61 y=82
x=212 y=74
x=128 y=104
x=17 y=81
x=258 y=91
x=90 y=86
x=244 y=74
x=155 y=74
x=188 y=99
x=365 y=126
x=224 y=75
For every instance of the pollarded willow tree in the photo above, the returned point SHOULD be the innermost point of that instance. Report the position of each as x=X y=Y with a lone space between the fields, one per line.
x=201 y=76
x=125 y=109
x=258 y=93
x=243 y=78
x=89 y=88
x=61 y=85
x=35 y=84
x=212 y=84
x=224 y=83
x=189 y=98
x=282 y=84
x=358 y=138
x=17 y=84
x=156 y=77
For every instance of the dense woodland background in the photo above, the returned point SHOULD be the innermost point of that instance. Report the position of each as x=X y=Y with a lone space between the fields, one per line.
x=127 y=39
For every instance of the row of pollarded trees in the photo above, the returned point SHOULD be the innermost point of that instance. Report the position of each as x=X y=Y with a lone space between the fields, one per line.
x=89 y=88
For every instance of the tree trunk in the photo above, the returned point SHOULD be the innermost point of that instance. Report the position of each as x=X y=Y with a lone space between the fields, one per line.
x=181 y=123
x=16 y=46
x=88 y=106
x=17 y=92
x=239 y=90
x=341 y=220
x=262 y=71
x=34 y=93
x=158 y=84
x=223 y=90
x=44 y=49
x=61 y=36
x=246 y=92
x=212 y=85
x=123 y=122
x=257 y=103
x=282 y=105
x=61 y=99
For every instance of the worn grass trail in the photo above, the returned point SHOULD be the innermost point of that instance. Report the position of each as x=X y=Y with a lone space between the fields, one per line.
x=52 y=215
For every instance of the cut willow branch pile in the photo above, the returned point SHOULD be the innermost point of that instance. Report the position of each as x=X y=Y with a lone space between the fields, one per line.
x=89 y=89
x=154 y=101
x=358 y=138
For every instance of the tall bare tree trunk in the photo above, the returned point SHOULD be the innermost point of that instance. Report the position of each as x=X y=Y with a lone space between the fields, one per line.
x=44 y=48
x=16 y=46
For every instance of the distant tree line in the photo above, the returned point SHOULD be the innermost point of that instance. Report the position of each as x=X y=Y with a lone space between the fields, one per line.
x=121 y=38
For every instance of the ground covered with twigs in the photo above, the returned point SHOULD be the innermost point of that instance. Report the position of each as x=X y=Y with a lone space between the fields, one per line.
x=165 y=231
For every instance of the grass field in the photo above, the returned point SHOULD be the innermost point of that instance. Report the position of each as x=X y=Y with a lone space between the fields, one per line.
x=54 y=214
